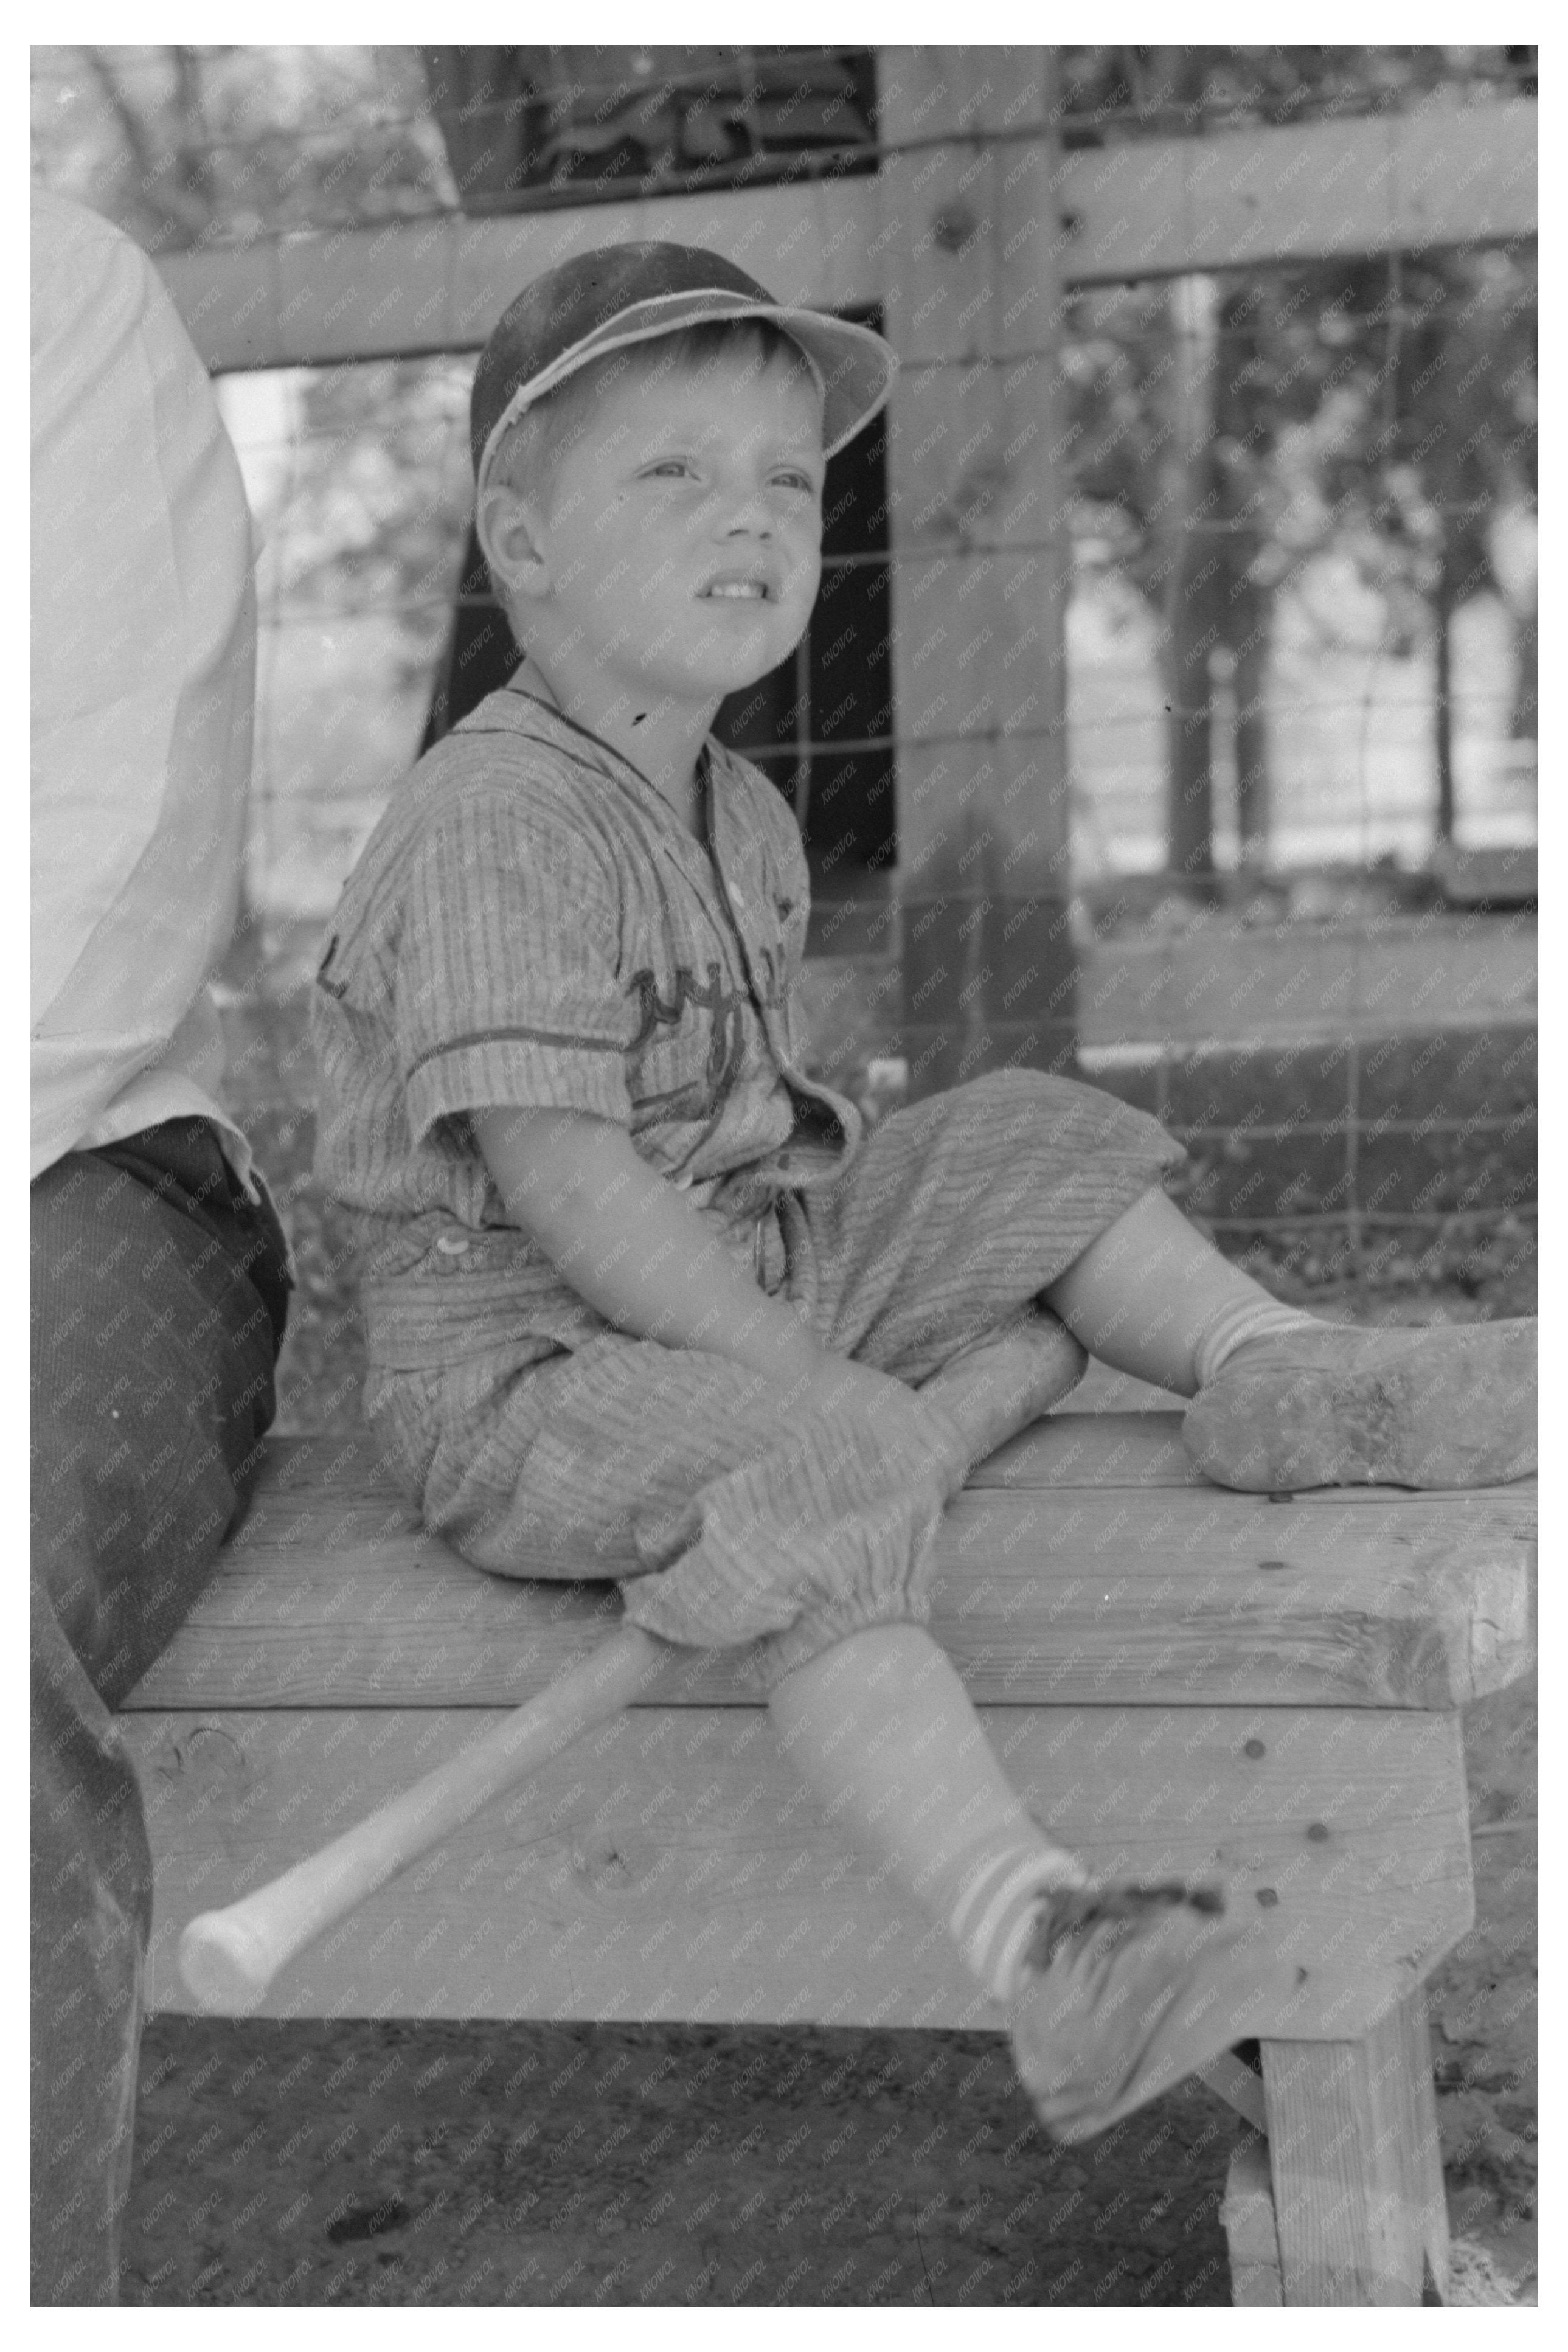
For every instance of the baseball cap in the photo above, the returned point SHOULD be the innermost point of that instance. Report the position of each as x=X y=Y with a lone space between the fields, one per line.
x=601 y=301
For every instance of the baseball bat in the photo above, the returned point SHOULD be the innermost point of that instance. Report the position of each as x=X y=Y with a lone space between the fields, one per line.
x=229 y=1958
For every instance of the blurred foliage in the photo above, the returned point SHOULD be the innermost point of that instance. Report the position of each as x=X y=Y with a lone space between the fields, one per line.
x=562 y=121
x=373 y=516
x=1389 y=406
x=1114 y=91
x=181 y=146
x=1225 y=431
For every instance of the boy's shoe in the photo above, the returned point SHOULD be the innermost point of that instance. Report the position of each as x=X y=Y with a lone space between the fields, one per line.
x=1446 y=1404
x=1127 y=1990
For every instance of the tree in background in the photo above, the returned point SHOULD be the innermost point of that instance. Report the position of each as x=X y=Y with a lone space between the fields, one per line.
x=372 y=519
x=1441 y=443
x=1225 y=430
x=183 y=146
x=192 y=146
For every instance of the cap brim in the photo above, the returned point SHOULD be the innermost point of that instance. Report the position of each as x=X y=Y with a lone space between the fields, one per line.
x=853 y=365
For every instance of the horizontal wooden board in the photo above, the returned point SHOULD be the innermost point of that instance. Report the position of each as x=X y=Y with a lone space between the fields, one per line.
x=1052 y=1582
x=438 y=281
x=1148 y=207
x=671 y=1866
x=1437 y=174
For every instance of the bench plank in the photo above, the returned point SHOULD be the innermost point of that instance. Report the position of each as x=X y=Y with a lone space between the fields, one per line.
x=671 y=1867
x=1052 y=1583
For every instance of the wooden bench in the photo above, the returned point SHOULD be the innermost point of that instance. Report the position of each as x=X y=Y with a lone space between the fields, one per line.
x=1179 y=1679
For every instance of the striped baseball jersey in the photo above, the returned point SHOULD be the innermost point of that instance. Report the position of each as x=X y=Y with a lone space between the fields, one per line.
x=531 y=924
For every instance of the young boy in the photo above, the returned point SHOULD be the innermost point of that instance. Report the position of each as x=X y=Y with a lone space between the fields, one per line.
x=644 y=1301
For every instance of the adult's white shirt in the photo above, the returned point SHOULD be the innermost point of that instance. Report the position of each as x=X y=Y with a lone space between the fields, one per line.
x=143 y=663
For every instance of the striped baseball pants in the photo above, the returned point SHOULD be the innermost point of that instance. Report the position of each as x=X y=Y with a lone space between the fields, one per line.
x=728 y=1519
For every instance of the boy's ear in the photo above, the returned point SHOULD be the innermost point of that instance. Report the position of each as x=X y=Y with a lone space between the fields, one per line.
x=513 y=540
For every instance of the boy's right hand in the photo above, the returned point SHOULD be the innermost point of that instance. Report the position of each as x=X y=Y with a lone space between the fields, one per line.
x=837 y=1387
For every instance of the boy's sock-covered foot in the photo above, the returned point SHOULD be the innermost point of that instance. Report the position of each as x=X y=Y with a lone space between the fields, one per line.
x=1444 y=1404
x=1127 y=1990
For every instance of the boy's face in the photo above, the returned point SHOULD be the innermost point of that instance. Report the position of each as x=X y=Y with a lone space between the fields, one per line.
x=681 y=534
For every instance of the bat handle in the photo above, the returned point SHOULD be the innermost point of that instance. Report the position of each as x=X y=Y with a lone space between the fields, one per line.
x=229 y=1958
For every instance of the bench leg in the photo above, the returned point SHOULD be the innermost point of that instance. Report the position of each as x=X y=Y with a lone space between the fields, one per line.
x=1357 y=2172
x=1248 y=2215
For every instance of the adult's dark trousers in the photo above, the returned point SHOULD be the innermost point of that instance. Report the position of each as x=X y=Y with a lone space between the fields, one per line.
x=159 y=1293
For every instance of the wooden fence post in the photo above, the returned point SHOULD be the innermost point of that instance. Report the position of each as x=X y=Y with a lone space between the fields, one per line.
x=971 y=248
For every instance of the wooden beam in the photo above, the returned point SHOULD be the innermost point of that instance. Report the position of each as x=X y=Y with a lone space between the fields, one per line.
x=439 y=282
x=1046 y=1586
x=974 y=309
x=1356 y=2163
x=672 y=1866
x=1434 y=176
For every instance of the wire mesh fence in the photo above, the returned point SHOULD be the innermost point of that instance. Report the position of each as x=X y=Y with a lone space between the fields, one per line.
x=1339 y=632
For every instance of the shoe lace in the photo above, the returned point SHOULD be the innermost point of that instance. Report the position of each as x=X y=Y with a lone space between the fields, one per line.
x=1076 y=1910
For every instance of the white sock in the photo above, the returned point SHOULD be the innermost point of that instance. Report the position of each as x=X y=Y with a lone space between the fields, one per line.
x=882 y=1728
x=1238 y=1321
x=994 y=1914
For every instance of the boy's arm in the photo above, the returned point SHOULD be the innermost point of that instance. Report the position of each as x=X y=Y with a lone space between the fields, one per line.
x=640 y=1254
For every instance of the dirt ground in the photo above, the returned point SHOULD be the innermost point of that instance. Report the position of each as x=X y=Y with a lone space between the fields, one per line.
x=405 y=2163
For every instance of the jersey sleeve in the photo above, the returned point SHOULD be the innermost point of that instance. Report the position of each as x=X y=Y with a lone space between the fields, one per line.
x=507 y=991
